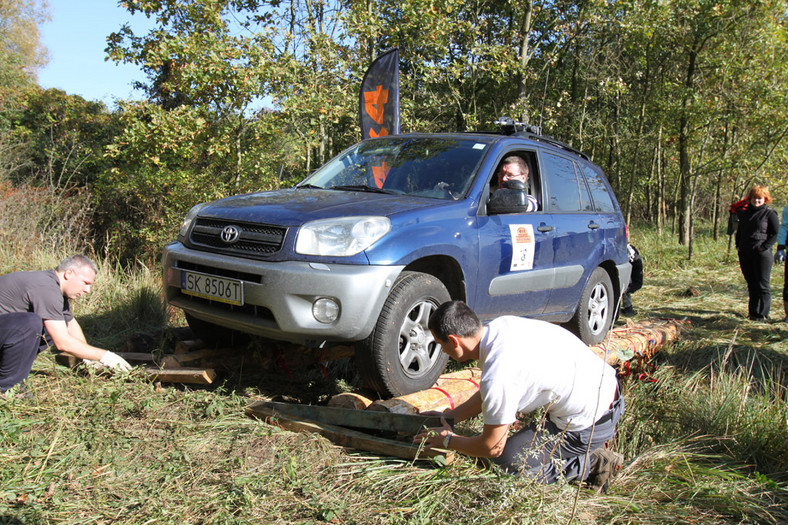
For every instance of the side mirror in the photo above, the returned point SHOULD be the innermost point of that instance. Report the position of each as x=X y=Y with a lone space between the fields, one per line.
x=515 y=185
x=509 y=199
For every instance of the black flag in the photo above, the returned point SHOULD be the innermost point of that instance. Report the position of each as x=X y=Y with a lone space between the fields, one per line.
x=378 y=101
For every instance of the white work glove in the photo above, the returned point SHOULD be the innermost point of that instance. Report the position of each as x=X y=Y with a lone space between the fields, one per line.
x=779 y=257
x=114 y=361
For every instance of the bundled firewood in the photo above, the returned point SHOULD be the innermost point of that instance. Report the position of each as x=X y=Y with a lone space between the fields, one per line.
x=638 y=341
x=630 y=348
x=449 y=391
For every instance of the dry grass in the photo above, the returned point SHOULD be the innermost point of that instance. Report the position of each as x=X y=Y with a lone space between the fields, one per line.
x=704 y=444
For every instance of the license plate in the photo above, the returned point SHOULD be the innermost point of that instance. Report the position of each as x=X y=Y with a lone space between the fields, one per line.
x=222 y=289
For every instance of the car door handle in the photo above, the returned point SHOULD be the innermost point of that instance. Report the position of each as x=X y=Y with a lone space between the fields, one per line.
x=544 y=228
x=593 y=225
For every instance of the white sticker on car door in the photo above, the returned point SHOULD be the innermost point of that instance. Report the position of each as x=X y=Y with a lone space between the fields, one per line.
x=523 y=246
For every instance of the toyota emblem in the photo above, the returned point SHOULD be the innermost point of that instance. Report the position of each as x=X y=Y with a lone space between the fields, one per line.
x=230 y=234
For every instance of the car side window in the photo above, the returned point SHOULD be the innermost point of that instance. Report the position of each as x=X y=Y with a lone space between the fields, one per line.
x=564 y=187
x=600 y=192
x=586 y=204
x=533 y=185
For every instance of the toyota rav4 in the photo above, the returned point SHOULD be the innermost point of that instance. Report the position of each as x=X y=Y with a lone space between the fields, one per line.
x=365 y=248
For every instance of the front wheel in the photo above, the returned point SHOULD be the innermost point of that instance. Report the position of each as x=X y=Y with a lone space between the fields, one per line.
x=401 y=356
x=594 y=314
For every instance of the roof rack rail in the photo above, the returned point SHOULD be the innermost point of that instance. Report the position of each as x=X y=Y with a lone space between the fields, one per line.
x=509 y=126
x=553 y=142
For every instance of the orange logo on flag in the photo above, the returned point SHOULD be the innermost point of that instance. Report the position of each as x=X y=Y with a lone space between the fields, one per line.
x=375 y=103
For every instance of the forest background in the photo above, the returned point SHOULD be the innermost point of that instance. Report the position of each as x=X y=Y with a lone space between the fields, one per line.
x=682 y=102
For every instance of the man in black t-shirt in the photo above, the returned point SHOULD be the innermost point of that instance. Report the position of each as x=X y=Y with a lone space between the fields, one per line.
x=34 y=309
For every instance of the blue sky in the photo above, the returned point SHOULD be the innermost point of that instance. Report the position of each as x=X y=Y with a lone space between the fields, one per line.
x=76 y=37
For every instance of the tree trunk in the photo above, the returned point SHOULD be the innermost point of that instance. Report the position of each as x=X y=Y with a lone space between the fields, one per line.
x=522 y=95
x=616 y=142
x=636 y=154
x=685 y=199
x=660 y=197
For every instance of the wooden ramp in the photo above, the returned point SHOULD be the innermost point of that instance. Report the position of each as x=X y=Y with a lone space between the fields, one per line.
x=341 y=426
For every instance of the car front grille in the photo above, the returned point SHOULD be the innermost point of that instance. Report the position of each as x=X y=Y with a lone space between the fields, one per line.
x=254 y=240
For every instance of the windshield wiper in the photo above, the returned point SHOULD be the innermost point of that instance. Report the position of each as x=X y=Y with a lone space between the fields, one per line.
x=360 y=187
x=309 y=187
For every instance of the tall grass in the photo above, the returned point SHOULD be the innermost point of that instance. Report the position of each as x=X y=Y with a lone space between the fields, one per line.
x=40 y=225
x=705 y=443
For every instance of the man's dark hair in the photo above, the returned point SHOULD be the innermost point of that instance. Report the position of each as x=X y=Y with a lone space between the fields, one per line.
x=75 y=262
x=454 y=318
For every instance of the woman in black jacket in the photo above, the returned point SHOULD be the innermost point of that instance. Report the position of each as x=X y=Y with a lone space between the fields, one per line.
x=756 y=233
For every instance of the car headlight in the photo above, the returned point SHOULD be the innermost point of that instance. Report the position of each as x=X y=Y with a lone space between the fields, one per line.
x=187 y=222
x=341 y=237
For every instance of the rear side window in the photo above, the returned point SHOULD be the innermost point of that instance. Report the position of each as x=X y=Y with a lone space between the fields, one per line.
x=565 y=192
x=600 y=191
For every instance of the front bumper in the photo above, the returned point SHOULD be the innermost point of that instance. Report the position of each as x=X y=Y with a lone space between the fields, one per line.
x=278 y=296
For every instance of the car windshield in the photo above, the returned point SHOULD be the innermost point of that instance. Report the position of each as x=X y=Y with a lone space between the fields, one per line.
x=434 y=167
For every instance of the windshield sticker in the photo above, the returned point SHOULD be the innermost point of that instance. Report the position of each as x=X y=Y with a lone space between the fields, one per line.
x=523 y=246
x=479 y=145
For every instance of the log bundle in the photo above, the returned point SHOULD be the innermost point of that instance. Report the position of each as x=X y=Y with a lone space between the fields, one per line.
x=635 y=343
x=449 y=391
x=638 y=341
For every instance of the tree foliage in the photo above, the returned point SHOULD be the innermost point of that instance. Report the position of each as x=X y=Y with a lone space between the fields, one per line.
x=682 y=102
x=21 y=52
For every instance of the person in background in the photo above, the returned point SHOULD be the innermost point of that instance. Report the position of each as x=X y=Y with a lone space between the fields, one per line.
x=756 y=226
x=635 y=281
x=528 y=364
x=35 y=309
x=779 y=257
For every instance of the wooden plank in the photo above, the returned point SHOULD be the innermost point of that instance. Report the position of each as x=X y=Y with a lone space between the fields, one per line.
x=352 y=400
x=178 y=360
x=404 y=423
x=146 y=357
x=68 y=360
x=195 y=376
x=349 y=438
x=184 y=347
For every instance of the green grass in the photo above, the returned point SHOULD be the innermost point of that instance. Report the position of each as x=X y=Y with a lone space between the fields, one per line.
x=705 y=443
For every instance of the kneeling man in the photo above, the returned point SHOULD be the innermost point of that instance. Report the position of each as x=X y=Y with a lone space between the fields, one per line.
x=35 y=309
x=528 y=364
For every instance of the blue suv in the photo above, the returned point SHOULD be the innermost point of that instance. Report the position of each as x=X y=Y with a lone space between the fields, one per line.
x=364 y=249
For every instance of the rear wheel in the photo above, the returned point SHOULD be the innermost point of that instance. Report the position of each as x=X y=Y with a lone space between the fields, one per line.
x=401 y=356
x=594 y=314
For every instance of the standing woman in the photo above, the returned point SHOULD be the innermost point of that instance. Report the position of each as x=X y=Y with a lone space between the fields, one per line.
x=755 y=235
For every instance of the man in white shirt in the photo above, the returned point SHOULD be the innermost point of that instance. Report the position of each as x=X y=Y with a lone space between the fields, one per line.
x=526 y=365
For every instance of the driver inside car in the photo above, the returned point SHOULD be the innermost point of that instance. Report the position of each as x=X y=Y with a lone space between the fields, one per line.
x=514 y=168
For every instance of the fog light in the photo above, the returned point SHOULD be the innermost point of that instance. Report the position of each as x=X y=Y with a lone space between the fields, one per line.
x=325 y=310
